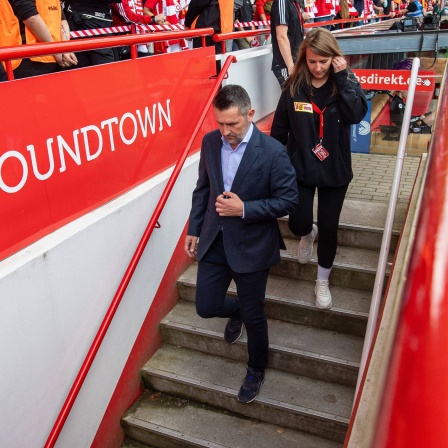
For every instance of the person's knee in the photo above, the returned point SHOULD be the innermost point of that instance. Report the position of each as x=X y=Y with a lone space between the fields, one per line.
x=255 y=324
x=204 y=310
x=300 y=226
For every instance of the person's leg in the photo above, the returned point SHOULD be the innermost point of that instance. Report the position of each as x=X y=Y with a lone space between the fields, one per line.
x=330 y=201
x=33 y=68
x=324 y=19
x=301 y=218
x=209 y=42
x=213 y=279
x=78 y=22
x=251 y=288
x=3 y=76
x=251 y=295
x=301 y=224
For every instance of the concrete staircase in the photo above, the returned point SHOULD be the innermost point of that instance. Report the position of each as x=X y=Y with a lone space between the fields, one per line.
x=193 y=379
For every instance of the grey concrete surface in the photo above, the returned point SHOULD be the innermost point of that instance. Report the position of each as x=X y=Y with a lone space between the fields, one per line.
x=184 y=419
x=373 y=175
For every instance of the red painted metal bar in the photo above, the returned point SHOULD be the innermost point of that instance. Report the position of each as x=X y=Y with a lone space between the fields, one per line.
x=240 y=34
x=54 y=434
x=134 y=52
x=26 y=51
x=414 y=410
x=9 y=72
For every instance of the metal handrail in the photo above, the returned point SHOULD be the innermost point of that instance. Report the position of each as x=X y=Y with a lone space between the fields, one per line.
x=223 y=37
x=50 y=48
x=62 y=417
x=385 y=243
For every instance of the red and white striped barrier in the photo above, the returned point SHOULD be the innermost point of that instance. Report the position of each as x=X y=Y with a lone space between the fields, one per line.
x=99 y=31
x=146 y=28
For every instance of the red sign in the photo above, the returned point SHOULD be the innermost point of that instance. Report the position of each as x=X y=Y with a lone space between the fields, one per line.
x=71 y=141
x=373 y=79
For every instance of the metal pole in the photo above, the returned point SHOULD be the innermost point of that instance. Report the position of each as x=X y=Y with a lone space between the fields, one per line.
x=385 y=244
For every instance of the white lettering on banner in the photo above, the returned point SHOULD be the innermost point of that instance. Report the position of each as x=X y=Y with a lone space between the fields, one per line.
x=84 y=131
x=167 y=117
x=134 y=121
x=111 y=135
x=22 y=160
x=152 y=123
x=75 y=155
x=94 y=141
x=374 y=78
x=36 y=172
x=393 y=80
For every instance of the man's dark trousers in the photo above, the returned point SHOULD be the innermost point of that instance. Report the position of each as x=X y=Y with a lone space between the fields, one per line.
x=214 y=277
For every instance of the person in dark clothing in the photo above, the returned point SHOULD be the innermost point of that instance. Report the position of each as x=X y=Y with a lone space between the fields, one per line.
x=216 y=14
x=359 y=6
x=3 y=76
x=320 y=101
x=287 y=35
x=244 y=14
x=246 y=181
x=87 y=15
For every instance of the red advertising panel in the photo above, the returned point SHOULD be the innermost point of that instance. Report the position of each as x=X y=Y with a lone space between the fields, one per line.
x=376 y=79
x=72 y=141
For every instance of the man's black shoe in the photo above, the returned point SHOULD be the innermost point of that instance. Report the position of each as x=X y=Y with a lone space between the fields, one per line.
x=233 y=331
x=251 y=385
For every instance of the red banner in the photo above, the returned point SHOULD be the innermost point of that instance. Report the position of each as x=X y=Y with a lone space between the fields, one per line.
x=72 y=141
x=376 y=79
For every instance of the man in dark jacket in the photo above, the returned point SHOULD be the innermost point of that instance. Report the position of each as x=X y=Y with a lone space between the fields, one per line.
x=245 y=183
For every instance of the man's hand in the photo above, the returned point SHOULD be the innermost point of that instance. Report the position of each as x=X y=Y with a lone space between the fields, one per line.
x=191 y=245
x=66 y=59
x=229 y=204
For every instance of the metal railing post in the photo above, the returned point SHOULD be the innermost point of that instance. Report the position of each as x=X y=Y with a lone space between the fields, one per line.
x=385 y=244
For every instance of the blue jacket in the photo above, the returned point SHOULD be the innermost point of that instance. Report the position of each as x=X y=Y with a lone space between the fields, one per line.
x=415 y=12
x=265 y=182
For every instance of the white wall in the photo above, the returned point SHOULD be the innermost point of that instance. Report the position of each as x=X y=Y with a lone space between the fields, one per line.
x=253 y=72
x=53 y=297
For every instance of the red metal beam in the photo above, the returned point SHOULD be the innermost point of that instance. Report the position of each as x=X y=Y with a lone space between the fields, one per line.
x=414 y=410
x=29 y=50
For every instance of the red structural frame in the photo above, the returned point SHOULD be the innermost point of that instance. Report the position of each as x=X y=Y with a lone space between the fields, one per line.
x=413 y=410
x=62 y=417
x=26 y=51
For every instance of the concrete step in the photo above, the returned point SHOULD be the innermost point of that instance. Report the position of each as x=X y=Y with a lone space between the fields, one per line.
x=293 y=300
x=361 y=224
x=353 y=267
x=295 y=348
x=129 y=443
x=305 y=404
x=168 y=422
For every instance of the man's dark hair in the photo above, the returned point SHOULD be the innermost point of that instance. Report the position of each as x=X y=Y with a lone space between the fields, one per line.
x=232 y=95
